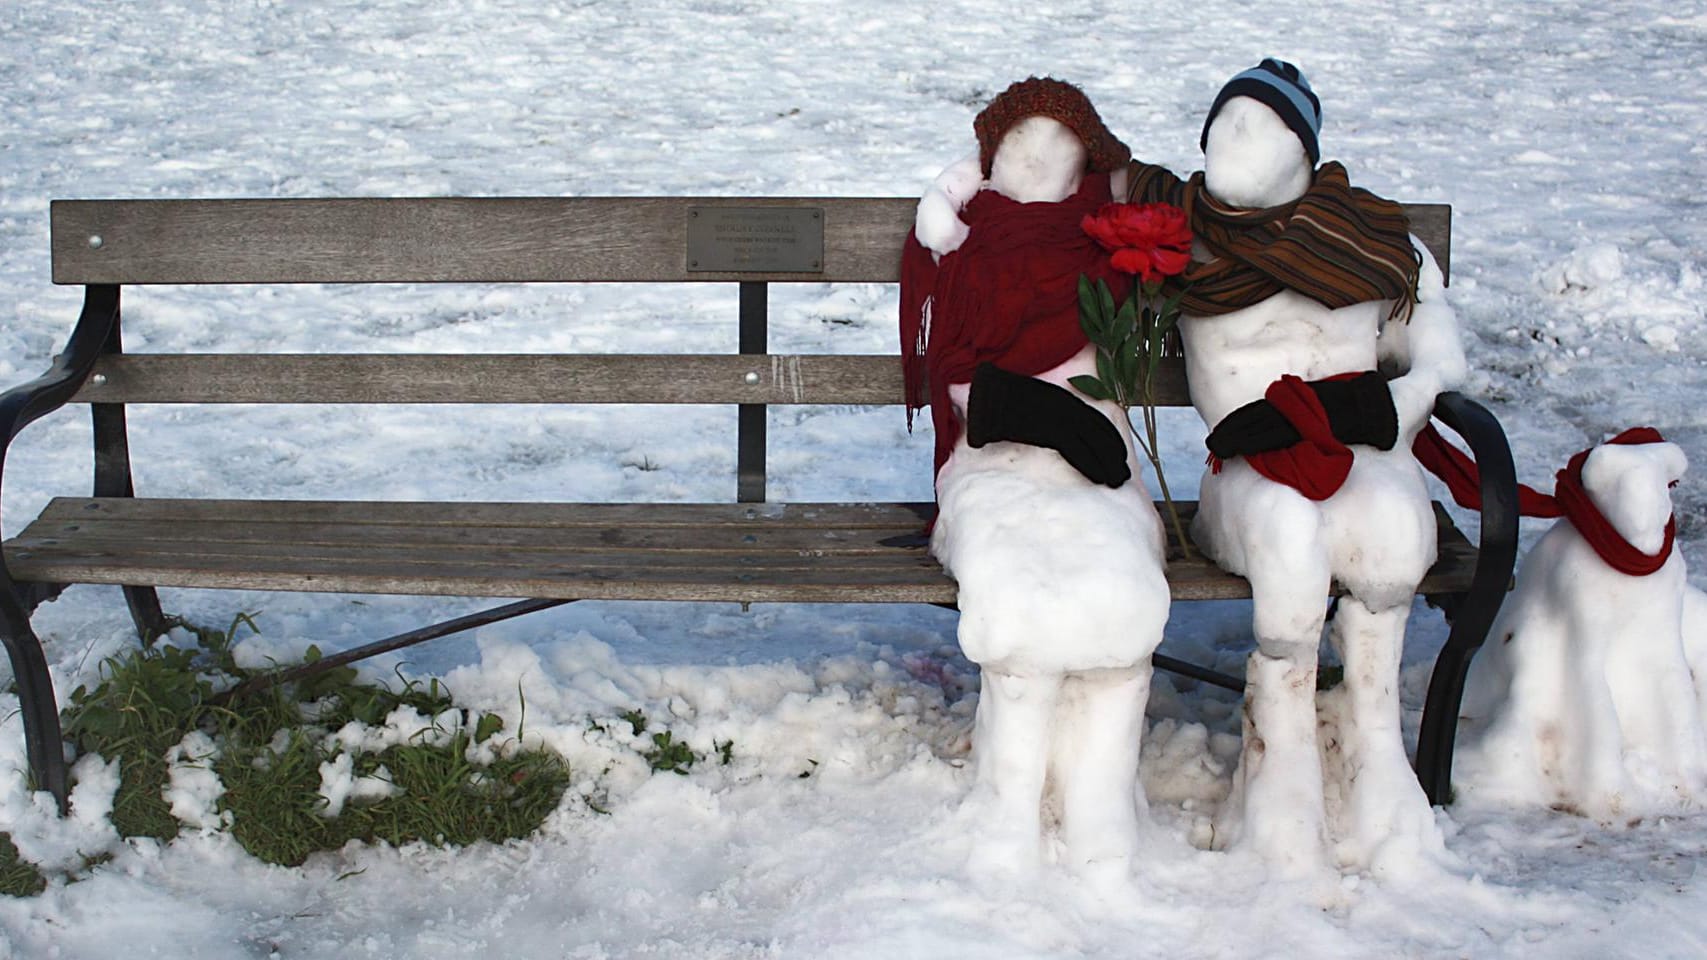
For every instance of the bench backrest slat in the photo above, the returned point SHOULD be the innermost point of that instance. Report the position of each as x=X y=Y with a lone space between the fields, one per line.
x=511 y=378
x=473 y=240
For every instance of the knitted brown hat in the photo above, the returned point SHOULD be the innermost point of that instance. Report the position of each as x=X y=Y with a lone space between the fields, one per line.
x=1058 y=100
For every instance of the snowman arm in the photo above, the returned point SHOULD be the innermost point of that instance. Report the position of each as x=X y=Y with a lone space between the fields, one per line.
x=1425 y=352
x=959 y=394
x=937 y=222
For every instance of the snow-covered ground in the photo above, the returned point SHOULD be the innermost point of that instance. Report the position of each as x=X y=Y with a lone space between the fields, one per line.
x=1569 y=139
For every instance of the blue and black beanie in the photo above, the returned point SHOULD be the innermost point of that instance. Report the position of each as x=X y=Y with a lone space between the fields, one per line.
x=1282 y=88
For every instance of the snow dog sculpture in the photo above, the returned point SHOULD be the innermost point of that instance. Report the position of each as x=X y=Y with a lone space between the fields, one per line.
x=1305 y=296
x=1588 y=695
x=1058 y=551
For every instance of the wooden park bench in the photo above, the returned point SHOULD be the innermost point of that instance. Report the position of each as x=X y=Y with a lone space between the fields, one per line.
x=749 y=550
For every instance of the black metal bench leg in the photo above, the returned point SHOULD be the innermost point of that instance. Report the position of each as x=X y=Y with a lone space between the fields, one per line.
x=1439 y=731
x=145 y=612
x=43 y=741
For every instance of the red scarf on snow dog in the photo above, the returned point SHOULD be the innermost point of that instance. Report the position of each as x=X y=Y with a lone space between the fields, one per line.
x=1007 y=296
x=1569 y=500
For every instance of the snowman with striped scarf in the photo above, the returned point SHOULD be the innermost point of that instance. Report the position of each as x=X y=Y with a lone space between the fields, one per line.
x=1316 y=338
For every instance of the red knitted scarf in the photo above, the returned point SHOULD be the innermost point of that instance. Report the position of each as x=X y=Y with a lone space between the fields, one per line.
x=1008 y=296
x=1316 y=465
x=1569 y=500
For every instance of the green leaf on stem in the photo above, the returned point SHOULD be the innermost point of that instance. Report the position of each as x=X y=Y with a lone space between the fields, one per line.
x=1170 y=306
x=1090 y=314
x=1124 y=317
x=1091 y=387
x=1106 y=373
x=1107 y=299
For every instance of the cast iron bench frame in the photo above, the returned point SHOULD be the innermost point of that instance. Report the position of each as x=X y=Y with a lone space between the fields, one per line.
x=748 y=551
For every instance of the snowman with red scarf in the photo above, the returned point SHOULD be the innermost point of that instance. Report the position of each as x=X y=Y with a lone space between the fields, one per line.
x=1587 y=696
x=1056 y=547
x=1305 y=294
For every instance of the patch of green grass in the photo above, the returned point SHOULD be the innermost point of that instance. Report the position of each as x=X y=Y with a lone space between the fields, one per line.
x=18 y=877
x=668 y=753
x=146 y=703
x=273 y=743
x=279 y=816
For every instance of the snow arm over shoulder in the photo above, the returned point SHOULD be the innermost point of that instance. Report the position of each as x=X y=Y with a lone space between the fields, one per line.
x=1426 y=351
x=937 y=223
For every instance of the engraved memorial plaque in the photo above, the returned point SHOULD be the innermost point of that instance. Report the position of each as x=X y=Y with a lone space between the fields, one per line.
x=755 y=240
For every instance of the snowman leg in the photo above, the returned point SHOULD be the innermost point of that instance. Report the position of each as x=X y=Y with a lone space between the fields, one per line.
x=1383 y=802
x=1010 y=745
x=1276 y=807
x=1096 y=763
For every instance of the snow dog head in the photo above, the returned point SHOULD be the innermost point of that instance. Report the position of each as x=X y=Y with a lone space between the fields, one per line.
x=1630 y=485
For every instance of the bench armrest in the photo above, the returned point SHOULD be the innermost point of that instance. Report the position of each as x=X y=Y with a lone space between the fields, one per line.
x=1497 y=541
x=1474 y=612
x=28 y=402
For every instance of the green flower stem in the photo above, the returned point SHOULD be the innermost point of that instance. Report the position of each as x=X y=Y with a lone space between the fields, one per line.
x=1152 y=450
x=1129 y=350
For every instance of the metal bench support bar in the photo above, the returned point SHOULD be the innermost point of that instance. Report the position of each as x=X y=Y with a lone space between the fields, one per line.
x=750 y=430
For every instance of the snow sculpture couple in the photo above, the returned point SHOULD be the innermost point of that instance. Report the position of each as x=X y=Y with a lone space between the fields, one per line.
x=1297 y=281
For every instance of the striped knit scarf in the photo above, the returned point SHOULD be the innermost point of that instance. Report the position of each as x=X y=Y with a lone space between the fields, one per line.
x=1337 y=245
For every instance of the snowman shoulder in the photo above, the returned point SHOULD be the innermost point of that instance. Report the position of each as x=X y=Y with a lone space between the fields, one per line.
x=1427 y=336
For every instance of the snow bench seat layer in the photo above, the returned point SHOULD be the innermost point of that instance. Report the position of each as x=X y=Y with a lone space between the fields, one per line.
x=544 y=553
x=758 y=553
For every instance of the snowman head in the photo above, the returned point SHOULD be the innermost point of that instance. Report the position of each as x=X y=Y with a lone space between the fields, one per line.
x=1039 y=160
x=1260 y=137
x=1040 y=115
x=1630 y=485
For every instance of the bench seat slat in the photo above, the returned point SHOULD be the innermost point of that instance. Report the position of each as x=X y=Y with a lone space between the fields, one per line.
x=708 y=538
x=900 y=516
x=719 y=538
x=726 y=552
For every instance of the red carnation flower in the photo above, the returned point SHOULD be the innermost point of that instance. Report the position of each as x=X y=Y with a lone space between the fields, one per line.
x=1149 y=241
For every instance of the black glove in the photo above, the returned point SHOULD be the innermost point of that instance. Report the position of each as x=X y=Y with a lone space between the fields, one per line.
x=1007 y=406
x=1360 y=410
